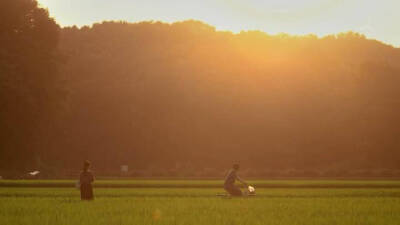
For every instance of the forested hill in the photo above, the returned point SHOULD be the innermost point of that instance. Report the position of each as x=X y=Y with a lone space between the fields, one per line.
x=184 y=96
x=157 y=95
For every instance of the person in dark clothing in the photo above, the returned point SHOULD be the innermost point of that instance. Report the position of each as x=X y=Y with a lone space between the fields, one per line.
x=86 y=179
x=230 y=179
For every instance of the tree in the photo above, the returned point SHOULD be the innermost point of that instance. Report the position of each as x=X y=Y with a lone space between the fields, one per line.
x=28 y=79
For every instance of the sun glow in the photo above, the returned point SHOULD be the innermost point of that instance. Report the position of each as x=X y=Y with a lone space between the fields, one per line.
x=296 y=17
x=372 y=18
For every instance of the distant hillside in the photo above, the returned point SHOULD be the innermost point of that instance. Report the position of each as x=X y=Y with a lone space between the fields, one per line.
x=158 y=95
x=185 y=96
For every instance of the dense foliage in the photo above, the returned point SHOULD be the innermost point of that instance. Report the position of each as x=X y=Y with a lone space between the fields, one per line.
x=30 y=89
x=184 y=96
x=161 y=96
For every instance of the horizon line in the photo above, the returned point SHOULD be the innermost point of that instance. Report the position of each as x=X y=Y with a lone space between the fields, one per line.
x=230 y=31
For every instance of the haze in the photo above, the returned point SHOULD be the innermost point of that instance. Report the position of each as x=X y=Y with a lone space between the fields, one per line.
x=183 y=99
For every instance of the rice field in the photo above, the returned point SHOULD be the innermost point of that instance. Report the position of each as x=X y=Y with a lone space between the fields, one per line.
x=187 y=183
x=185 y=205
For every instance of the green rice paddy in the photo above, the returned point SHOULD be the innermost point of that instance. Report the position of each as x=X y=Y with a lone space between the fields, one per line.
x=366 y=204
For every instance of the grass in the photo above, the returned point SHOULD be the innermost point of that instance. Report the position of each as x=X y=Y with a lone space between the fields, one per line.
x=208 y=183
x=178 y=206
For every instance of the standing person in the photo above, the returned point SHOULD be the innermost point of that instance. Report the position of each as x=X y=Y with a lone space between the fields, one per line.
x=86 y=180
x=230 y=179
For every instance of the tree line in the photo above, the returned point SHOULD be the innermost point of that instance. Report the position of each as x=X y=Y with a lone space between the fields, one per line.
x=184 y=97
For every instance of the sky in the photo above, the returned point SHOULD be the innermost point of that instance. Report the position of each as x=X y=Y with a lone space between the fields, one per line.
x=377 y=19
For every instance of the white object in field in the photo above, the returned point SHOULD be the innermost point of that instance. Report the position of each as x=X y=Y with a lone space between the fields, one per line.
x=78 y=184
x=34 y=173
x=251 y=189
x=124 y=168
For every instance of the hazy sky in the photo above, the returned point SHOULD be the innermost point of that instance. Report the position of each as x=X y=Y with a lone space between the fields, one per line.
x=378 y=19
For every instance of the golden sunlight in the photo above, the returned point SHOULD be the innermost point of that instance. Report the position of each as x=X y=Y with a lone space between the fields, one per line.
x=321 y=17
